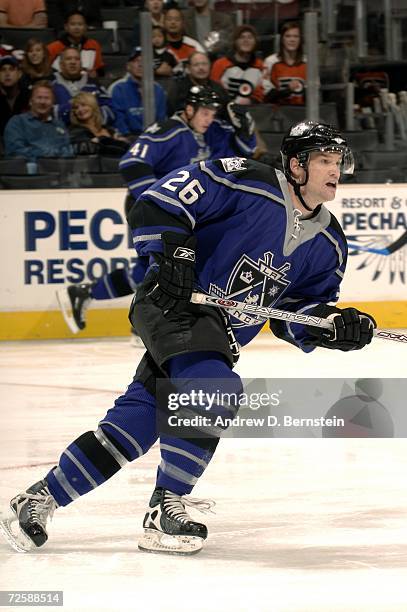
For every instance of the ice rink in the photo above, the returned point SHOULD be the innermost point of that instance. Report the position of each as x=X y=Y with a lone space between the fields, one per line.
x=316 y=525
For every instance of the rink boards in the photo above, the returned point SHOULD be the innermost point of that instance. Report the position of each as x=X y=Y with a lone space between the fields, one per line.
x=54 y=237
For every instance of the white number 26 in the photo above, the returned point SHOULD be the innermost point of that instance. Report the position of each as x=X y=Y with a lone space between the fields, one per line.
x=188 y=194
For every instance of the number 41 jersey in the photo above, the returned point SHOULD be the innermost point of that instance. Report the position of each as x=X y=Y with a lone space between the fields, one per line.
x=252 y=244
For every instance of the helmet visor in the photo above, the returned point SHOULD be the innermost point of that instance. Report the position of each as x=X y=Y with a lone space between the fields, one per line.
x=347 y=161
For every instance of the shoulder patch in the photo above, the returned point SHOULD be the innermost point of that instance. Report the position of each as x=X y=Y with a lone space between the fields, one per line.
x=162 y=127
x=233 y=164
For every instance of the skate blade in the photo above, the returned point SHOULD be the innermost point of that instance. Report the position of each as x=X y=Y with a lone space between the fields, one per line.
x=17 y=540
x=66 y=309
x=158 y=542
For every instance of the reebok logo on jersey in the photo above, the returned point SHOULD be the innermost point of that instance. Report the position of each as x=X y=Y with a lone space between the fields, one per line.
x=184 y=253
x=233 y=164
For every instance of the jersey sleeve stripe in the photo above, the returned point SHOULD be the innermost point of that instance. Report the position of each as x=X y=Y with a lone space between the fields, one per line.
x=243 y=145
x=163 y=138
x=240 y=187
x=338 y=250
x=135 y=184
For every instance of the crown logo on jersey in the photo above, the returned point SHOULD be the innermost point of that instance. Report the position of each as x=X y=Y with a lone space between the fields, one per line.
x=254 y=282
x=247 y=277
x=233 y=164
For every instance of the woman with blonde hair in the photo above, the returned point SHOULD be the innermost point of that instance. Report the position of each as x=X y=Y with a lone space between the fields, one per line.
x=87 y=132
x=36 y=64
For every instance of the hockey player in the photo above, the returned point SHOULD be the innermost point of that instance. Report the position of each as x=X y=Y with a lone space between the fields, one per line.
x=229 y=227
x=191 y=135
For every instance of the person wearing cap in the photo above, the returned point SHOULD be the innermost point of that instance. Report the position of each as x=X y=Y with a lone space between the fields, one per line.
x=241 y=72
x=127 y=101
x=192 y=134
x=14 y=96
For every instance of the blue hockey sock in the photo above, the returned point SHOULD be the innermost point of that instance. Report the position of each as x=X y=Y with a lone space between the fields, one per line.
x=123 y=281
x=183 y=461
x=127 y=431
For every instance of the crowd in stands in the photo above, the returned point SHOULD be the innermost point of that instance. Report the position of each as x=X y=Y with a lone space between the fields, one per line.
x=56 y=98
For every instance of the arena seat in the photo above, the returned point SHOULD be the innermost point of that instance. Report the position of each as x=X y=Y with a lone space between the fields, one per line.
x=17 y=37
x=35 y=181
x=69 y=165
x=13 y=165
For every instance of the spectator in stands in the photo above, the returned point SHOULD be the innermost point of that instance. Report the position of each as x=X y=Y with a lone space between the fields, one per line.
x=23 y=14
x=156 y=9
x=59 y=9
x=164 y=61
x=127 y=100
x=286 y=71
x=36 y=133
x=75 y=37
x=71 y=80
x=14 y=96
x=241 y=73
x=88 y=134
x=212 y=29
x=36 y=65
x=198 y=68
x=182 y=46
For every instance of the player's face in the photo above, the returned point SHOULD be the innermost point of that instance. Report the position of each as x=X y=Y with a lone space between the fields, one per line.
x=76 y=26
x=202 y=118
x=291 y=39
x=323 y=177
x=199 y=67
x=35 y=55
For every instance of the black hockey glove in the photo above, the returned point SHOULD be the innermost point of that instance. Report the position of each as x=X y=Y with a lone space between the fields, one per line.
x=241 y=119
x=175 y=277
x=352 y=329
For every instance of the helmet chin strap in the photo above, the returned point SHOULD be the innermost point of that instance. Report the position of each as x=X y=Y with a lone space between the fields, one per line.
x=297 y=189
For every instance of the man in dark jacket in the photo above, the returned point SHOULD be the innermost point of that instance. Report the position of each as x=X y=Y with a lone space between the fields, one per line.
x=14 y=97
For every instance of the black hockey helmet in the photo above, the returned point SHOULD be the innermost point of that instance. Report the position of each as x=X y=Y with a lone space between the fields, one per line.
x=200 y=95
x=307 y=136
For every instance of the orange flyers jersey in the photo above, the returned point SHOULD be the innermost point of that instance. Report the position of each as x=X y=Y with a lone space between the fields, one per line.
x=241 y=81
x=282 y=74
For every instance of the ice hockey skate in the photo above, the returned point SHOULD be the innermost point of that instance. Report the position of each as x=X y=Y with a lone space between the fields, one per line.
x=168 y=528
x=24 y=526
x=73 y=302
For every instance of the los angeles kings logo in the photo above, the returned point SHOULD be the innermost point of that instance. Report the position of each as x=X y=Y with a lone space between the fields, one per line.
x=252 y=282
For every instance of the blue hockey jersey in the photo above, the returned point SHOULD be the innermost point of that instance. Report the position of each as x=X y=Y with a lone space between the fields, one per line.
x=168 y=145
x=252 y=244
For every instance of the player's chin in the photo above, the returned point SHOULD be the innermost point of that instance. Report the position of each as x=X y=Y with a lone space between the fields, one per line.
x=329 y=192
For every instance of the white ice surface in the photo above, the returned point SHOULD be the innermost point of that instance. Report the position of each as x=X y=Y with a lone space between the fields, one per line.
x=300 y=524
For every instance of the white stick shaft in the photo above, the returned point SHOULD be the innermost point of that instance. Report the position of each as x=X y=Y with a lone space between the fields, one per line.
x=283 y=315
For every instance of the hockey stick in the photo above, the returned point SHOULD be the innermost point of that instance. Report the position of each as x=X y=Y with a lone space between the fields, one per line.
x=392 y=248
x=283 y=315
